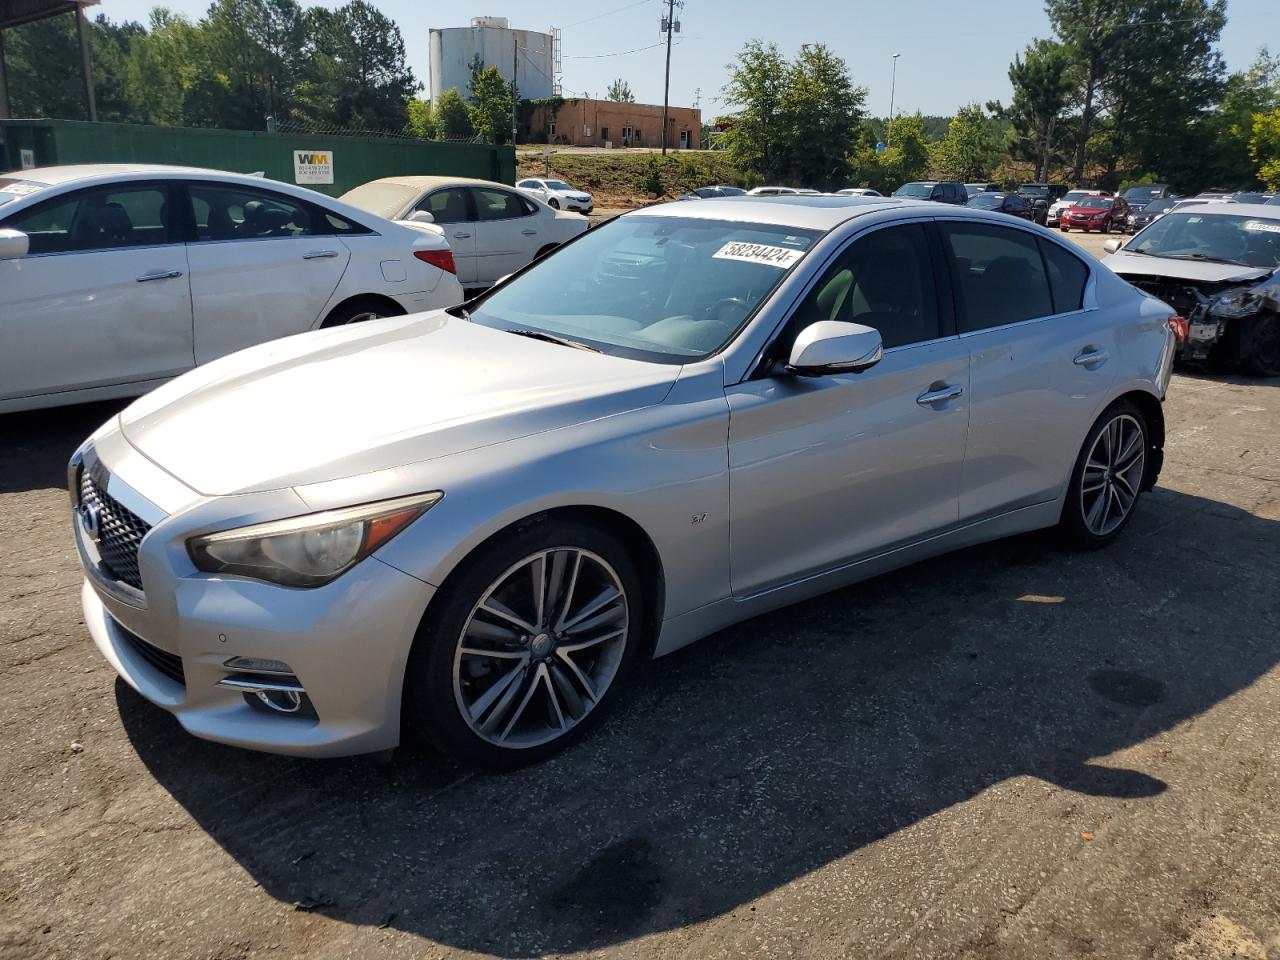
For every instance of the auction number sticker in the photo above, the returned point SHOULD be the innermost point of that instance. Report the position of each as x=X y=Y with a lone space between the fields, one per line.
x=779 y=257
x=1267 y=226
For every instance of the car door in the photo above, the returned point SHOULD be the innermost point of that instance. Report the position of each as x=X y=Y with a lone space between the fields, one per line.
x=102 y=295
x=507 y=233
x=263 y=265
x=1038 y=362
x=824 y=470
x=452 y=208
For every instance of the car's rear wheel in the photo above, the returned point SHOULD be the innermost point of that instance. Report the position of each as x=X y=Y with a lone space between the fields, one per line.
x=553 y=203
x=360 y=310
x=1107 y=479
x=1263 y=359
x=526 y=644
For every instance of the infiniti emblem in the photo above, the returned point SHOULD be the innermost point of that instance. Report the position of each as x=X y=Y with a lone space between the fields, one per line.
x=91 y=518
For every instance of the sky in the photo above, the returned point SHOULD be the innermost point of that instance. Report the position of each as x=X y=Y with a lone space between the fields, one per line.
x=951 y=54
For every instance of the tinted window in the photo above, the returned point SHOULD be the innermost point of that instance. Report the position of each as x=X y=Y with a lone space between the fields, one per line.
x=447 y=206
x=999 y=275
x=1015 y=203
x=239 y=213
x=97 y=220
x=884 y=280
x=1067 y=277
x=497 y=205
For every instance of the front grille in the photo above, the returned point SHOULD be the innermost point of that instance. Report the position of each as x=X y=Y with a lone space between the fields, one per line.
x=170 y=664
x=121 y=530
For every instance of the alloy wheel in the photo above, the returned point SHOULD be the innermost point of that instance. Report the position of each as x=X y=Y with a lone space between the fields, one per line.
x=1112 y=475
x=541 y=647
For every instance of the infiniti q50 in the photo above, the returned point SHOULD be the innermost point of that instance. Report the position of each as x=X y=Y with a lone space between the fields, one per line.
x=473 y=522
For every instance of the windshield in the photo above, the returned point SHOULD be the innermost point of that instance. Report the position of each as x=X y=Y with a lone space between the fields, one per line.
x=1139 y=194
x=1100 y=203
x=1158 y=206
x=382 y=197
x=558 y=185
x=664 y=289
x=923 y=190
x=11 y=188
x=1249 y=198
x=1250 y=241
x=1073 y=195
x=1033 y=192
x=732 y=191
x=986 y=201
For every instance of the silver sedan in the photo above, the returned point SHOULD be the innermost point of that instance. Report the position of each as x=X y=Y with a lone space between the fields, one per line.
x=476 y=521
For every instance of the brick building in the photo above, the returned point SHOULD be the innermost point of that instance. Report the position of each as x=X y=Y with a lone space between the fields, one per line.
x=594 y=123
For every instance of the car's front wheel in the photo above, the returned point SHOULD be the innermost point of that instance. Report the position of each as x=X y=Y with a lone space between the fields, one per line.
x=1107 y=479
x=1263 y=359
x=553 y=203
x=526 y=644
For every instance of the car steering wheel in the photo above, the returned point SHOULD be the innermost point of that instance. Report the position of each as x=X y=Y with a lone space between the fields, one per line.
x=717 y=310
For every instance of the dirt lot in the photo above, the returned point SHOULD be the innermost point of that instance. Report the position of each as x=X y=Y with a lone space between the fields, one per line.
x=1014 y=751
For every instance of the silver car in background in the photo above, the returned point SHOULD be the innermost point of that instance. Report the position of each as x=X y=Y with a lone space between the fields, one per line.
x=481 y=518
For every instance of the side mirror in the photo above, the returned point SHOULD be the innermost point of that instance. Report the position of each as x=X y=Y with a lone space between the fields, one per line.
x=1112 y=245
x=14 y=244
x=422 y=216
x=833 y=346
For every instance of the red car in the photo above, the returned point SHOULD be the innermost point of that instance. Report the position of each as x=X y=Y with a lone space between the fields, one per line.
x=1103 y=214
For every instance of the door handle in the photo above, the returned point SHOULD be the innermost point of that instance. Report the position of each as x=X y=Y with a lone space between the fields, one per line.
x=160 y=275
x=462 y=236
x=319 y=254
x=530 y=233
x=941 y=395
x=1089 y=357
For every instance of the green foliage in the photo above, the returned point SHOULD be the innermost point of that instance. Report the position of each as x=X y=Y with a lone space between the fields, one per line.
x=796 y=118
x=905 y=158
x=422 y=120
x=1264 y=147
x=491 y=106
x=1041 y=90
x=246 y=60
x=453 y=119
x=620 y=92
x=650 y=179
x=969 y=151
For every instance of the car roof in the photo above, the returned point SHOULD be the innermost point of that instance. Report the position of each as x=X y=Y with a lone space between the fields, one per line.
x=1235 y=210
x=56 y=176
x=786 y=210
x=429 y=183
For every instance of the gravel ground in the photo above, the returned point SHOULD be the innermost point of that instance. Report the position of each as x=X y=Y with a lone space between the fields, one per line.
x=1013 y=751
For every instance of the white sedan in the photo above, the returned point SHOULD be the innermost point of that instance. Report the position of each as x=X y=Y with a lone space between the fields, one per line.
x=115 y=278
x=558 y=194
x=493 y=229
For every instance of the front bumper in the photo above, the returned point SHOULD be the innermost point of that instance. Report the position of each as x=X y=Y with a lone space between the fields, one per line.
x=347 y=643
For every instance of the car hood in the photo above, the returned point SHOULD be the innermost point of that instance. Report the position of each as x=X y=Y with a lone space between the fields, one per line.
x=1197 y=271
x=344 y=402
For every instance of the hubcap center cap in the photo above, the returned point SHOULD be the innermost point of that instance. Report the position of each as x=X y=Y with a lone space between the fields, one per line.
x=542 y=645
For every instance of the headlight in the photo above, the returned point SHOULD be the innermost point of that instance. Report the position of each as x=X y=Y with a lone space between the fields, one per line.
x=1235 y=303
x=308 y=551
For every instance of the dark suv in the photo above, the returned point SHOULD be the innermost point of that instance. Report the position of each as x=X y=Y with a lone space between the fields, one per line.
x=940 y=191
x=1041 y=197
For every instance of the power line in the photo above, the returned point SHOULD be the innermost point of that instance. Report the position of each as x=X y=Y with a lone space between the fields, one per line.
x=607 y=13
x=620 y=53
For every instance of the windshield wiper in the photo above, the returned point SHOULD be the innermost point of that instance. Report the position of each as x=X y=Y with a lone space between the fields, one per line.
x=1205 y=257
x=552 y=338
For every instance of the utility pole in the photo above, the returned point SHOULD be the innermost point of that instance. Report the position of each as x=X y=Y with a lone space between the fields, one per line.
x=666 y=88
x=893 y=86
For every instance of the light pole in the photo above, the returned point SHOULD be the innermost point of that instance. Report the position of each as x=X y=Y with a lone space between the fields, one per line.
x=893 y=86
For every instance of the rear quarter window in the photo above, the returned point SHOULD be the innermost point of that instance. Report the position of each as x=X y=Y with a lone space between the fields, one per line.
x=1068 y=276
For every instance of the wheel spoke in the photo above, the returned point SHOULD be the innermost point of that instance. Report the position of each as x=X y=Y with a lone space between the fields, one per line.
x=611 y=614
x=501 y=610
x=1132 y=448
x=586 y=644
x=1096 y=513
x=524 y=702
x=563 y=673
x=502 y=693
x=483 y=630
x=495 y=654
x=1124 y=497
x=555 y=579
x=557 y=714
x=567 y=604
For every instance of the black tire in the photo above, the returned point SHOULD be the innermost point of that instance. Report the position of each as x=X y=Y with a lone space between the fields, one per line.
x=553 y=203
x=431 y=703
x=1074 y=523
x=1263 y=359
x=361 y=309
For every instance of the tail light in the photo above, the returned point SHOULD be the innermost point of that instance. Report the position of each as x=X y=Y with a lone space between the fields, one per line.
x=441 y=259
x=1179 y=327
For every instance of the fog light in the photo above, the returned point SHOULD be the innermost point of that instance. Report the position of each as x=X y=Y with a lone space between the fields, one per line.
x=256 y=665
x=282 y=701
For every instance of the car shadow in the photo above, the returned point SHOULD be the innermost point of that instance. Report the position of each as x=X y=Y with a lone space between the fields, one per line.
x=771 y=749
x=35 y=445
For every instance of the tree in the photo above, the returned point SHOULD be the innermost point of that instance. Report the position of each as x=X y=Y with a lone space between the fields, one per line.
x=1040 y=92
x=620 y=92
x=422 y=120
x=1264 y=148
x=969 y=150
x=1094 y=31
x=491 y=108
x=453 y=121
x=796 y=119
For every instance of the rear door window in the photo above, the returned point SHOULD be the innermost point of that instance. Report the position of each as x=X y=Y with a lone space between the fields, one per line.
x=240 y=213
x=999 y=275
x=497 y=205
